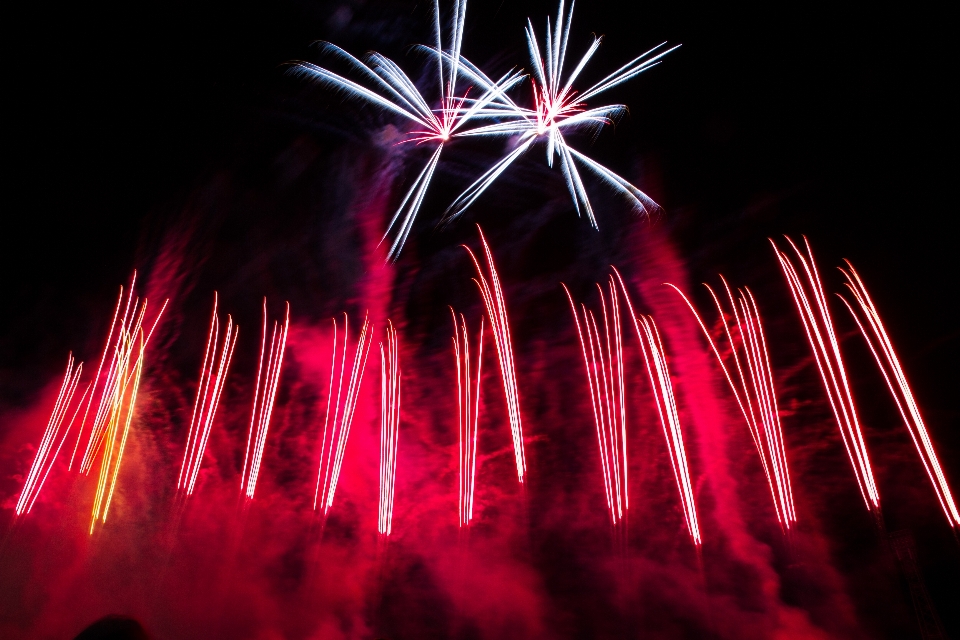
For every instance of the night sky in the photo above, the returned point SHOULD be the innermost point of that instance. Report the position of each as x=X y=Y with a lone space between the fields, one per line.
x=167 y=137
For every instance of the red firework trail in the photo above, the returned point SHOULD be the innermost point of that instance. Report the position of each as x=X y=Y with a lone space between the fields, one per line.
x=264 y=395
x=753 y=389
x=818 y=325
x=468 y=414
x=389 y=427
x=124 y=374
x=121 y=336
x=603 y=360
x=333 y=448
x=656 y=360
x=48 y=450
x=500 y=325
x=882 y=348
x=209 y=388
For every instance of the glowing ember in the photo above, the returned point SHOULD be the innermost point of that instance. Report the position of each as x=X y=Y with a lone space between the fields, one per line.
x=882 y=348
x=818 y=325
x=209 y=389
x=753 y=389
x=264 y=396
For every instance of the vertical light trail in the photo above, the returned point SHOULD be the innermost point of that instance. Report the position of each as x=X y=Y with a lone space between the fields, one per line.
x=118 y=403
x=882 y=348
x=389 y=427
x=213 y=376
x=264 y=396
x=468 y=413
x=332 y=449
x=48 y=449
x=818 y=325
x=603 y=361
x=492 y=294
x=662 y=387
x=753 y=389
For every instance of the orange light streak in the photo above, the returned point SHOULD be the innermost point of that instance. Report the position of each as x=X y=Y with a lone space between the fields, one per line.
x=753 y=390
x=48 y=450
x=332 y=449
x=818 y=325
x=264 y=397
x=468 y=414
x=882 y=348
x=603 y=360
x=659 y=372
x=209 y=389
x=499 y=323
x=389 y=428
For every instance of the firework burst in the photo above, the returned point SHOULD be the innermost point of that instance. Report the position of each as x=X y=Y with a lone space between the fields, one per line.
x=389 y=427
x=468 y=412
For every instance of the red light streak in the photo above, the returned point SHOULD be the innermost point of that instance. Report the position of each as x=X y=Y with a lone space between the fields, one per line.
x=468 y=414
x=753 y=390
x=389 y=427
x=499 y=323
x=659 y=372
x=331 y=455
x=606 y=380
x=882 y=348
x=818 y=325
x=264 y=397
x=209 y=388
x=48 y=450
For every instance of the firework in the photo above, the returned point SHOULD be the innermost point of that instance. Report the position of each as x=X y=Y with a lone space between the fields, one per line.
x=388 y=87
x=882 y=348
x=119 y=399
x=818 y=325
x=558 y=110
x=500 y=325
x=332 y=449
x=603 y=360
x=48 y=450
x=753 y=389
x=209 y=389
x=389 y=427
x=264 y=396
x=468 y=414
x=655 y=357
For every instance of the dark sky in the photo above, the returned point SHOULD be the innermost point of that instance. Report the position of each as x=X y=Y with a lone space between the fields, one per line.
x=835 y=122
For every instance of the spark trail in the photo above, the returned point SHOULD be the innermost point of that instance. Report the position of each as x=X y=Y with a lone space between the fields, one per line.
x=871 y=326
x=753 y=388
x=602 y=347
x=386 y=86
x=264 y=396
x=213 y=376
x=118 y=403
x=389 y=427
x=818 y=325
x=655 y=357
x=492 y=294
x=468 y=413
x=336 y=428
x=559 y=109
x=49 y=449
